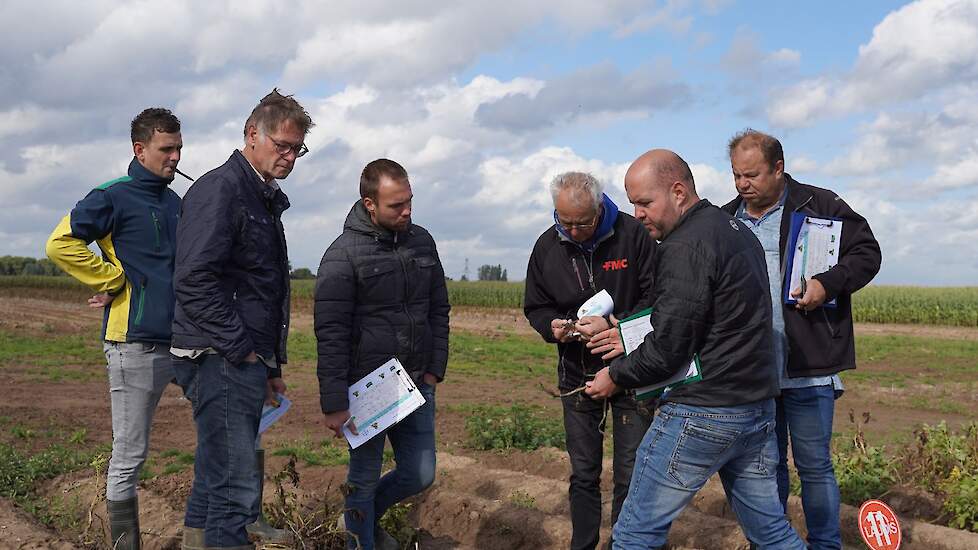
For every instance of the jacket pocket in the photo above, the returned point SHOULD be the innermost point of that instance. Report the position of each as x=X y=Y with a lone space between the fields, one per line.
x=157 y=229
x=259 y=238
x=139 y=301
x=378 y=283
x=426 y=271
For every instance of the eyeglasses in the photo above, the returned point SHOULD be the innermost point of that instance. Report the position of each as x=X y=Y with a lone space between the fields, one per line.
x=284 y=148
x=579 y=226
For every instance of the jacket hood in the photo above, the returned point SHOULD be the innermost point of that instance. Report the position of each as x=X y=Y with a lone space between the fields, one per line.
x=359 y=220
x=609 y=215
x=142 y=176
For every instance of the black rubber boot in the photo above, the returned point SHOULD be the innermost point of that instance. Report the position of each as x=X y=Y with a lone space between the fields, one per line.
x=124 y=524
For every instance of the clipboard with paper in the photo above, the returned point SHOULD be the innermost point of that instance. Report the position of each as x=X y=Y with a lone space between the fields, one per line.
x=379 y=400
x=813 y=248
x=633 y=331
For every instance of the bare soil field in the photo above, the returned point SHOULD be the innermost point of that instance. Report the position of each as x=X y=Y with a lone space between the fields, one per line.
x=481 y=499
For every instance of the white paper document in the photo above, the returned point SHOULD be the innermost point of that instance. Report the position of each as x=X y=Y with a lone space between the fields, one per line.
x=600 y=304
x=814 y=249
x=633 y=331
x=270 y=413
x=379 y=400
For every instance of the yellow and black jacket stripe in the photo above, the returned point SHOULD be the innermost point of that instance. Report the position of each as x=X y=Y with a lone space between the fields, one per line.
x=133 y=221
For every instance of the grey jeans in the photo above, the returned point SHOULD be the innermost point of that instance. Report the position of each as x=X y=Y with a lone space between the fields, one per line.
x=138 y=374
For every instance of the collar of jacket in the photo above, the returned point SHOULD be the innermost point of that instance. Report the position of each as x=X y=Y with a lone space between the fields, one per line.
x=606 y=226
x=359 y=220
x=275 y=198
x=798 y=197
x=141 y=176
x=686 y=215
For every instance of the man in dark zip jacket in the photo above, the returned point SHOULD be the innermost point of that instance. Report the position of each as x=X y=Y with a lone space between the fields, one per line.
x=591 y=247
x=133 y=219
x=812 y=343
x=381 y=293
x=232 y=316
x=711 y=299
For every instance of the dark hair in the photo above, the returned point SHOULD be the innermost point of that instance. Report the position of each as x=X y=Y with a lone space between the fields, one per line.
x=154 y=119
x=273 y=110
x=770 y=147
x=372 y=172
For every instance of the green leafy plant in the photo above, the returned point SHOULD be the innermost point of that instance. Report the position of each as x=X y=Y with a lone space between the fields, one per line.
x=863 y=471
x=961 y=503
x=522 y=499
x=516 y=427
x=395 y=521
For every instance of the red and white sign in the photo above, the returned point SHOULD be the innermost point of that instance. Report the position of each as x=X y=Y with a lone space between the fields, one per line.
x=879 y=526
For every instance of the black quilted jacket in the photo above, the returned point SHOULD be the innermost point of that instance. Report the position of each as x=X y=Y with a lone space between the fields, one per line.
x=378 y=295
x=711 y=298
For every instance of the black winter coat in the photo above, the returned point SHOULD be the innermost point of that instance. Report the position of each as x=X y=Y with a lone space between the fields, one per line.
x=560 y=277
x=379 y=295
x=231 y=277
x=711 y=298
x=821 y=342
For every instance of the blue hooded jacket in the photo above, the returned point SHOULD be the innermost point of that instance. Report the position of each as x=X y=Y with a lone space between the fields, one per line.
x=609 y=215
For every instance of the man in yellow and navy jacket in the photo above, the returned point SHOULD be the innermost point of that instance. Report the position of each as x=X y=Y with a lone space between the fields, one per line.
x=133 y=219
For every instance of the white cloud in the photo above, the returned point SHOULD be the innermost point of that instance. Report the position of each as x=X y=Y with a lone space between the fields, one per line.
x=801 y=164
x=713 y=184
x=920 y=48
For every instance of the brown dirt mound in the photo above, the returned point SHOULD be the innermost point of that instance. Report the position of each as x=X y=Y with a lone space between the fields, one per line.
x=19 y=531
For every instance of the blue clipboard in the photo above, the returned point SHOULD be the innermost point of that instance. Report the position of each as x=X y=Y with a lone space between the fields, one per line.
x=798 y=220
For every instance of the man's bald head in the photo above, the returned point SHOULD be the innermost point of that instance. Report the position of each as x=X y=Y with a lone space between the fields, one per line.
x=662 y=167
x=660 y=185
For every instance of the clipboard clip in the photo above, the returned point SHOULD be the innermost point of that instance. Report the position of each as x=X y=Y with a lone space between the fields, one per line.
x=819 y=222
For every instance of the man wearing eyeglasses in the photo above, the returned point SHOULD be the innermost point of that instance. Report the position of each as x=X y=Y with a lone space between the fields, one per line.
x=231 y=319
x=591 y=247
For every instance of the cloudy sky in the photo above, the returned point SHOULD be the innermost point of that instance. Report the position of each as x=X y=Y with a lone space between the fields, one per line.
x=484 y=102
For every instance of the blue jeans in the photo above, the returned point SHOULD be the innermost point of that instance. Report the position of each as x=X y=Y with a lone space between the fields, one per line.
x=227 y=401
x=683 y=448
x=370 y=495
x=805 y=415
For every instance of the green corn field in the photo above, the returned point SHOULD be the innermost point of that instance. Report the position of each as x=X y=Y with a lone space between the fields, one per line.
x=954 y=306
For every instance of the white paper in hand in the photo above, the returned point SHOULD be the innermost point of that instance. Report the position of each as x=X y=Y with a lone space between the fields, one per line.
x=600 y=304
x=379 y=400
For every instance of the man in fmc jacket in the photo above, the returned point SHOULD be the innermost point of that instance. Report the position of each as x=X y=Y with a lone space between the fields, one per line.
x=812 y=343
x=133 y=219
x=591 y=247
x=711 y=299
x=232 y=315
x=381 y=293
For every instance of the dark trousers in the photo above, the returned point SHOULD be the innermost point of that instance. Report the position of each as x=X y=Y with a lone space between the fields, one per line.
x=585 y=445
x=227 y=401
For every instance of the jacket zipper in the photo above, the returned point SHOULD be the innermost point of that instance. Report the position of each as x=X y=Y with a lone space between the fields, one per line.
x=407 y=310
x=141 y=303
x=577 y=272
x=156 y=226
x=590 y=270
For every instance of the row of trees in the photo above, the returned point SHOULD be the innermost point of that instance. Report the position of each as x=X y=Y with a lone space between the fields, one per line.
x=492 y=273
x=21 y=265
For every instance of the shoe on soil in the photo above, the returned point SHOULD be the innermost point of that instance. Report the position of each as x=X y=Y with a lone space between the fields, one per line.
x=268 y=534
